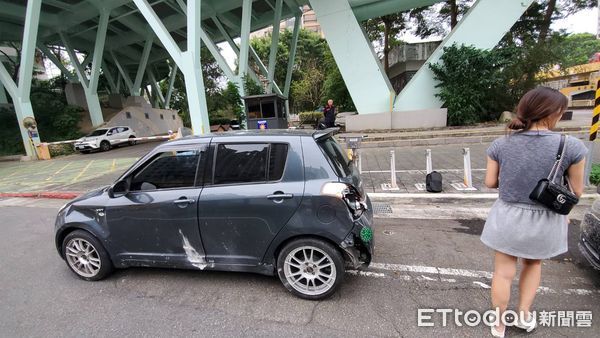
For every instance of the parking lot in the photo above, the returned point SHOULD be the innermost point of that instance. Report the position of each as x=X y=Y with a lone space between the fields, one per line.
x=419 y=263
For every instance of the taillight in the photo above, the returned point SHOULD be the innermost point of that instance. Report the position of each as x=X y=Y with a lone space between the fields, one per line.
x=348 y=194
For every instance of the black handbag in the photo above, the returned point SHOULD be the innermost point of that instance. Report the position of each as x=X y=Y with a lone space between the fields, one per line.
x=556 y=197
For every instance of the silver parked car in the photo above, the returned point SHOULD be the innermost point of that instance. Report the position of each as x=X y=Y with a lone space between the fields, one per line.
x=105 y=138
x=285 y=203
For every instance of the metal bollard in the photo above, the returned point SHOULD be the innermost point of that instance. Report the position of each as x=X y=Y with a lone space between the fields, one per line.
x=359 y=161
x=393 y=169
x=428 y=164
x=468 y=179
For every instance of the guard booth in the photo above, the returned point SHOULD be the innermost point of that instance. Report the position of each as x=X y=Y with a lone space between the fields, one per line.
x=266 y=111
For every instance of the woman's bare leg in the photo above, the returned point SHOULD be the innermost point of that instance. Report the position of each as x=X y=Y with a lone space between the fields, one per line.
x=529 y=282
x=505 y=268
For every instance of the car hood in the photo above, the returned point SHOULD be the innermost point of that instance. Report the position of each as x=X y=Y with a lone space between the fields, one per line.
x=88 y=138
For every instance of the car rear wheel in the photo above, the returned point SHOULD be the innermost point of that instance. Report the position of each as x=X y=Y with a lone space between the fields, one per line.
x=310 y=268
x=86 y=256
x=105 y=146
x=132 y=140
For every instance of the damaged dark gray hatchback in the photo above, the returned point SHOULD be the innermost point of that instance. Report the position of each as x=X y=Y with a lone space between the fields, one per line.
x=278 y=202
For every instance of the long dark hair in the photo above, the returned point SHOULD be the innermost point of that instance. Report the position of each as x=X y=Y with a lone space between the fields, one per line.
x=537 y=105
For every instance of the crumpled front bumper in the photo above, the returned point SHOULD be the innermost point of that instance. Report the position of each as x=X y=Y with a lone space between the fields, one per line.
x=358 y=246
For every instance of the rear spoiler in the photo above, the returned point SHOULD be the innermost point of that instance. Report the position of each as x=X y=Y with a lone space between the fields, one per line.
x=324 y=133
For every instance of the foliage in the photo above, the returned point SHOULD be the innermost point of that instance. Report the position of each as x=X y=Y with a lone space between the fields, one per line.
x=385 y=31
x=335 y=87
x=252 y=88
x=310 y=117
x=595 y=174
x=315 y=76
x=472 y=83
x=576 y=49
x=56 y=121
x=212 y=76
x=309 y=91
x=10 y=137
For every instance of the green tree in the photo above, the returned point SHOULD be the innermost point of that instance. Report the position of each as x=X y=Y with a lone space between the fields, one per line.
x=212 y=75
x=315 y=77
x=335 y=87
x=385 y=31
x=576 y=49
x=472 y=84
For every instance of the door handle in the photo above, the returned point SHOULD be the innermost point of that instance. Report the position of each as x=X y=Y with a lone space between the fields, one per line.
x=183 y=201
x=280 y=196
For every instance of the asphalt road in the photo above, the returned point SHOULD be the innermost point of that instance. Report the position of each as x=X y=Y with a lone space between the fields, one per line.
x=420 y=263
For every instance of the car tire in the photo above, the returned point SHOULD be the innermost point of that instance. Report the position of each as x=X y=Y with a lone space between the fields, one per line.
x=86 y=256
x=310 y=263
x=104 y=146
x=132 y=142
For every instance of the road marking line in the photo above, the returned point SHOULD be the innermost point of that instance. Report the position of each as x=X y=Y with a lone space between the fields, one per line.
x=114 y=164
x=431 y=269
x=489 y=196
x=58 y=171
x=450 y=271
x=417 y=171
x=82 y=171
x=366 y=273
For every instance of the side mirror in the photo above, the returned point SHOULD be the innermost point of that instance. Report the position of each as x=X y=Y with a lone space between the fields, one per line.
x=109 y=133
x=121 y=188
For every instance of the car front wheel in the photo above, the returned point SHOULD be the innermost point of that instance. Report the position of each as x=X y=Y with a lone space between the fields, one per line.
x=105 y=146
x=310 y=268
x=86 y=256
x=132 y=140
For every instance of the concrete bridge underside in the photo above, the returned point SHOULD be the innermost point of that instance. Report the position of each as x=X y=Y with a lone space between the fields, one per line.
x=137 y=43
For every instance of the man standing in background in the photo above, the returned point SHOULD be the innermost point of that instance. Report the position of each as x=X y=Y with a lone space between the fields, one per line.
x=329 y=113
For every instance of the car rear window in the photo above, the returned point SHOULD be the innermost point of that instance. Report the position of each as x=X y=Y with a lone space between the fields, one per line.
x=336 y=156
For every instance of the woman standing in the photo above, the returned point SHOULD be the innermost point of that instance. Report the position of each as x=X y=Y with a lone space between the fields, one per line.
x=518 y=228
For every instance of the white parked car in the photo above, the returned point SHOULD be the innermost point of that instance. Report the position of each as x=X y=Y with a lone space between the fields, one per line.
x=105 y=138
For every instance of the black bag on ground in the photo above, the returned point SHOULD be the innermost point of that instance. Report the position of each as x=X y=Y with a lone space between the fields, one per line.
x=433 y=182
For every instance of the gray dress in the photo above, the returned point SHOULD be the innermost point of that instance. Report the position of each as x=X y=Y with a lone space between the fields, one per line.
x=516 y=225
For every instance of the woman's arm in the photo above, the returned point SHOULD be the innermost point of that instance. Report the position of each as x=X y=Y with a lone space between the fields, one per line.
x=491 y=173
x=575 y=174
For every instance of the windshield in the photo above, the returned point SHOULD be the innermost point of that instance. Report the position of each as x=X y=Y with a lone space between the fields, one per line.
x=336 y=156
x=98 y=132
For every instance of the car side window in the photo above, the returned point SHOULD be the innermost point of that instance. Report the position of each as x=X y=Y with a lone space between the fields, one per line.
x=167 y=170
x=241 y=163
x=112 y=131
x=277 y=159
x=121 y=129
x=249 y=163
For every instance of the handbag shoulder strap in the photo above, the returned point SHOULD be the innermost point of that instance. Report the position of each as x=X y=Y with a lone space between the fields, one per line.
x=559 y=157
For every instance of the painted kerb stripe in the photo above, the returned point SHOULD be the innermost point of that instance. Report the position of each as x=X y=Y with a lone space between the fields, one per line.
x=596 y=114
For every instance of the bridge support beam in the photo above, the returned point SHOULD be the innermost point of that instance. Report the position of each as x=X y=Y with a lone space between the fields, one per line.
x=90 y=86
x=361 y=70
x=3 y=98
x=274 y=45
x=172 y=76
x=19 y=92
x=483 y=26
x=188 y=61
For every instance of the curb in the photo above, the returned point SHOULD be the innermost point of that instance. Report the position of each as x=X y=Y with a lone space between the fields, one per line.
x=66 y=195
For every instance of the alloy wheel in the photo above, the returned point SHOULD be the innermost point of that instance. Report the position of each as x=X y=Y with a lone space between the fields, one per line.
x=309 y=270
x=82 y=257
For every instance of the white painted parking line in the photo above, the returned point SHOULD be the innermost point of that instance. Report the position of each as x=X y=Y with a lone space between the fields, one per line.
x=465 y=273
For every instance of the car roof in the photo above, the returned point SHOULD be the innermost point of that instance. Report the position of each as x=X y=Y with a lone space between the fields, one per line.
x=316 y=134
